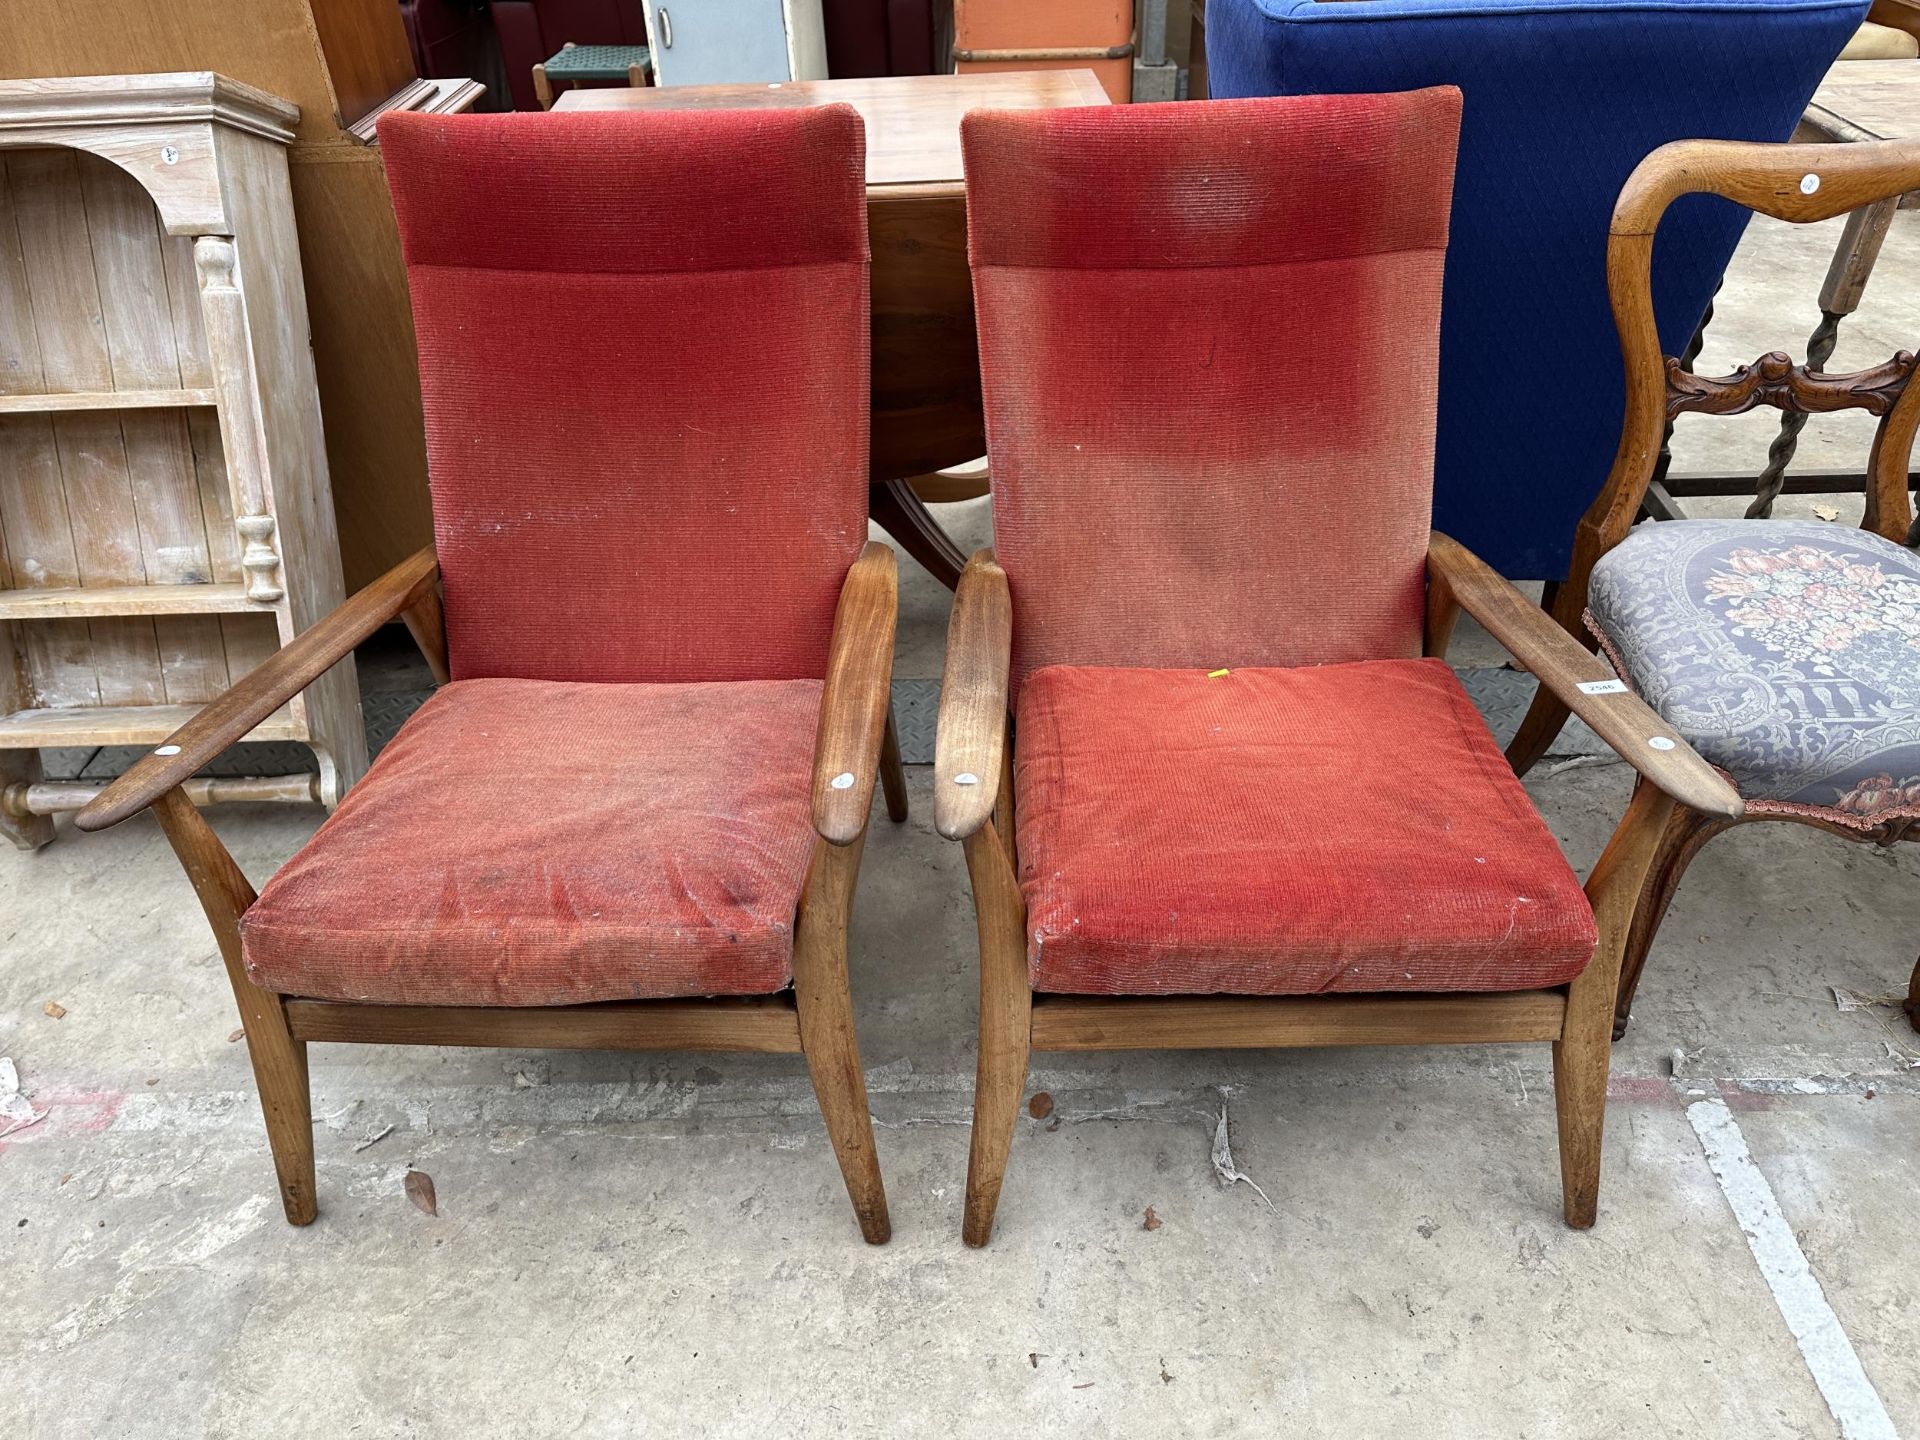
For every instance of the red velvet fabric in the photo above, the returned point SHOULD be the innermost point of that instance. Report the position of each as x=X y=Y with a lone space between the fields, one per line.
x=1209 y=341
x=1279 y=832
x=643 y=355
x=524 y=842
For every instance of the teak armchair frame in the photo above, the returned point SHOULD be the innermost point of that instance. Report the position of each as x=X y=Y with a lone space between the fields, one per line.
x=1797 y=183
x=815 y=1018
x=974 y=803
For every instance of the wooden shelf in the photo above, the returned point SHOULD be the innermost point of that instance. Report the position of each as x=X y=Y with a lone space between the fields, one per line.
x=119 y=725
x=77 y=604
x=72 y=400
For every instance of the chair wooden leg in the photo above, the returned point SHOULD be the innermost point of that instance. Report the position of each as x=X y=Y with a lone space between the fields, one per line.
x=1582 y=1054
x=1539 y=728
x=826 y=1030
x=542 y=87
x=279 y=1060
x=1006 y=1027
x=1685 y=833
x=893 y=775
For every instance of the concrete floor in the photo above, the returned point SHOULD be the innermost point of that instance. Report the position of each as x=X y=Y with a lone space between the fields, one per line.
x=661 y=1245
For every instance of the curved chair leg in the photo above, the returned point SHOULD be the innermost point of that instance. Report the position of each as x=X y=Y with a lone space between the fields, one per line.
x=893 y=775
x=1540 y=727
x=1006 y=1027
x=1583 y=1053
x=897 y=510
x=1687 y=830
x=826 y=1030
x=279 y=1060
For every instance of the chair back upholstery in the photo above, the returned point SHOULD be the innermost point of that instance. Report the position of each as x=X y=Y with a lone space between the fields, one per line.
x=1208 y=345
x=643 y=356
x=1562 y=99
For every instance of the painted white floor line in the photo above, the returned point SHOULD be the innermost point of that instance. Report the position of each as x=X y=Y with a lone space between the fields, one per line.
x=1829 y=1354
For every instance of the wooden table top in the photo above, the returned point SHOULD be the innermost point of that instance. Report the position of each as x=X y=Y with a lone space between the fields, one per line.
x=913 y=121
x=1875 y=99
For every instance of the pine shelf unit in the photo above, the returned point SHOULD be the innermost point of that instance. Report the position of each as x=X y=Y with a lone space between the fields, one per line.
x=105 y=400
x=166 y=519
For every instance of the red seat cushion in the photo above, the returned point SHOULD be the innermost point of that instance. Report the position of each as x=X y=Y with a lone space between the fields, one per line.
x=1281 y=832
x=525 y=842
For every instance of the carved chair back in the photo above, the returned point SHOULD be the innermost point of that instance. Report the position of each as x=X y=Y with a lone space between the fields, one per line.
x=644 y=361
x=1798 y=183
x=1209 y=346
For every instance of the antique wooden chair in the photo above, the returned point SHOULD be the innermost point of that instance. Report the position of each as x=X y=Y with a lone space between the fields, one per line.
x=1236 y=807
x=665 y=646
x=1786 y=652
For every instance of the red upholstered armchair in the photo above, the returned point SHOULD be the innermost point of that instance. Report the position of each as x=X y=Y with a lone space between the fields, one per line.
x=664 y=648
x=1243 y=800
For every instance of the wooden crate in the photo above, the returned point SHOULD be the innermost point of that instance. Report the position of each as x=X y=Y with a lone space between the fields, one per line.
x=165 y=516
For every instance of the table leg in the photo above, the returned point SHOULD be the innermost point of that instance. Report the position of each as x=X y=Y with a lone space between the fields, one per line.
x=1853 y=262
x=898 y=511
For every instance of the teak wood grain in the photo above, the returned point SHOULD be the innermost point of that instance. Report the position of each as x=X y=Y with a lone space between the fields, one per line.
x=1622 y=719
x=767 y=1026
x=279 y=1059
x=850 y=747
x=1209 y=1022
x=912 y=121
x=973 y=700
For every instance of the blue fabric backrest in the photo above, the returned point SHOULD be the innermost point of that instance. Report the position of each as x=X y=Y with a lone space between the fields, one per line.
x=1562 y=100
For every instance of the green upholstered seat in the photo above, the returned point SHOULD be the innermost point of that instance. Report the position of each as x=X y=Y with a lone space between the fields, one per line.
x=595 y=62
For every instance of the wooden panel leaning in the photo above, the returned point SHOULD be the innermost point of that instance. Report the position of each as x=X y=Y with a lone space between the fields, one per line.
x=168 y=519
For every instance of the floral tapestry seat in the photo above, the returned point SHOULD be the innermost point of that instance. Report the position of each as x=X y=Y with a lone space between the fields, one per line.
x=1786 y=652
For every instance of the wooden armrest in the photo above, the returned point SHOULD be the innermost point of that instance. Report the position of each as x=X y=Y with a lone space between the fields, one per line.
x=1563 y=665
x=853 y=709
x=973 y=700
x=262 y=691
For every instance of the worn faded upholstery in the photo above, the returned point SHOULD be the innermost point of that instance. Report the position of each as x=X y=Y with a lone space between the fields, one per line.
x=643 y=350
x=525 y=842
x=1207 y=339
x=1562 y=99
x=1786 y=651
x=1282 y=832
x=643 y=355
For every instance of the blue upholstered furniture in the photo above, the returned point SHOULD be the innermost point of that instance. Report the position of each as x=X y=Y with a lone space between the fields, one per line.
x=1562 y=100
